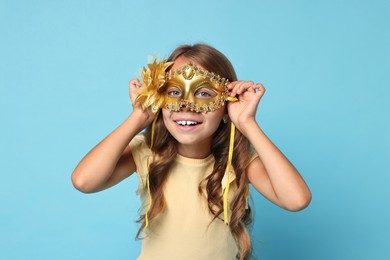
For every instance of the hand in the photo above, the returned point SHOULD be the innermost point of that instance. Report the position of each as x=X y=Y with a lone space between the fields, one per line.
x=146 y=116
x=244 y=110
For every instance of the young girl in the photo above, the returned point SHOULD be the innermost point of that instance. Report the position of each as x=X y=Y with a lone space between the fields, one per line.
x=201 y=148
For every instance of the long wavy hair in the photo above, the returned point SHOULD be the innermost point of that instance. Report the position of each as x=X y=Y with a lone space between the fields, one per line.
x=165 y=151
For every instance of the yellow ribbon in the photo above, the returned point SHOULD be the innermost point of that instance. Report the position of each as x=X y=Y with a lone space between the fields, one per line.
x=153 y=125
x=228 y=166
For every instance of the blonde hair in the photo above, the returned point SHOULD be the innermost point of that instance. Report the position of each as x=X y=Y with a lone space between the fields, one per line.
x=165 y=150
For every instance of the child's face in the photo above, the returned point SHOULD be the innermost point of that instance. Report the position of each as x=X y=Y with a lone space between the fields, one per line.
x=193 y=130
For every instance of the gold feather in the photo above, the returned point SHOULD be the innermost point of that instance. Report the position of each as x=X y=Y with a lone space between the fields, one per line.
x=150 y=95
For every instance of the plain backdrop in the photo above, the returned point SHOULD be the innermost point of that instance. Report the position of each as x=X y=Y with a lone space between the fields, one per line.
x=64 y=71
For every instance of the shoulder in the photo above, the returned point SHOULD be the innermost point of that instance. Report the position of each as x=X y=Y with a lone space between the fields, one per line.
x=140 y=150
x=137 y=142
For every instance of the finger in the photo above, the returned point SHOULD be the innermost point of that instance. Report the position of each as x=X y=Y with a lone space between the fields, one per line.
x=246 y=86
x=134 y=83
x=234 y=86
x=133 y=89
x=230 y=87
x=238 y=88
x=259 y=88
x=243 y=87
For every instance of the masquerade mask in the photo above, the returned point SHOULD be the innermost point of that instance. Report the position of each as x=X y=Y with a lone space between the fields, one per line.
x=195 y=89
x=189 y=86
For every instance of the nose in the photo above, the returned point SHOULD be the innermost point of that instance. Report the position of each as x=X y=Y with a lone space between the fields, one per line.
x=188 y=101
x=189 y=96
x=185 y=108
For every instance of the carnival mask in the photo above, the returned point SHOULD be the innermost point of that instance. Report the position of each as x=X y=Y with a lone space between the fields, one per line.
x=191 y=87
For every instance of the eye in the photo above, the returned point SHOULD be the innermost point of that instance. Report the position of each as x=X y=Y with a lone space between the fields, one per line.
x=173 y=92
x=205 y=93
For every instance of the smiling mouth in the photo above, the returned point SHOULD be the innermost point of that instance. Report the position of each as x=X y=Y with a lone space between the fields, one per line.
x=186 y=123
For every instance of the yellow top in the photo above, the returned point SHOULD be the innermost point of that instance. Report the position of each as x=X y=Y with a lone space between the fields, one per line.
x=184 y=230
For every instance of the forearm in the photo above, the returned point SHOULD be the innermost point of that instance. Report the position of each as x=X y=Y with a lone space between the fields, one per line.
x=289 y=188
x=98 y=166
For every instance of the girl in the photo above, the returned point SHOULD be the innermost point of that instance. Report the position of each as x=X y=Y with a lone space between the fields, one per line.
x=201 y=148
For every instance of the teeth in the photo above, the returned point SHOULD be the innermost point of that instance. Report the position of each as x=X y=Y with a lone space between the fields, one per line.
x=183 y=122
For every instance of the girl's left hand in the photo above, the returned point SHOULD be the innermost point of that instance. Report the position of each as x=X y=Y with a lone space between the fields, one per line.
x=244 y=110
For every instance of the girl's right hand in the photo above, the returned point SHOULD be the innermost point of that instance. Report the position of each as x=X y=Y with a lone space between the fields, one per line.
x=145 y=116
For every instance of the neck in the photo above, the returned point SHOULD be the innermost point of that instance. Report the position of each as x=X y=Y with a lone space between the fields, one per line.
x=196 y=151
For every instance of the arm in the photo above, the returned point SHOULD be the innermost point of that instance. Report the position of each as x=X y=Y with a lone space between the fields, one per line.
x=271 y=173
x=111 y=161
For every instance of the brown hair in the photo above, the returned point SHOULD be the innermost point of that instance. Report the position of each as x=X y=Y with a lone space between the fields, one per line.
x=164 y=148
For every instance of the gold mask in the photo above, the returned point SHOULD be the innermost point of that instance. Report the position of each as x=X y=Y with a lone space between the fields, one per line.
x=189 y=86
x=195 y=89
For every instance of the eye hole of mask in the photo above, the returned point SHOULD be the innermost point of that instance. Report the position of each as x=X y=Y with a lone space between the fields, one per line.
x=205 y=93
x=174 y=92
x=202 y=92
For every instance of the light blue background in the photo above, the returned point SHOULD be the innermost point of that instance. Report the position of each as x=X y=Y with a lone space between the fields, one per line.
x=64 y=69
